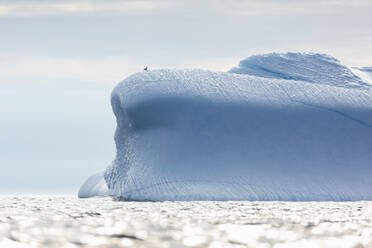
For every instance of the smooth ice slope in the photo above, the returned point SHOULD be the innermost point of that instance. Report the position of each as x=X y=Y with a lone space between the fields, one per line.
x=201 y=135
x=95 y=185
x=309 y=67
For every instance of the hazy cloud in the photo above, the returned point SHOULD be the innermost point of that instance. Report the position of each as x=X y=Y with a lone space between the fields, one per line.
x=242 y=7
x=47 y=8
x=106 y=70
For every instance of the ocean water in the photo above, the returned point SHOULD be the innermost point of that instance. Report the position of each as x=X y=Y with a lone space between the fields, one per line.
x=66 y=221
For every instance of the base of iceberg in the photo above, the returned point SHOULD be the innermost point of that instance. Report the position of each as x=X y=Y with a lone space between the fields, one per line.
x=202 y=135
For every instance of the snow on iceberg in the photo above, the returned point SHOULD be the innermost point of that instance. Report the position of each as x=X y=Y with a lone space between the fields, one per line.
x=309 y=67
x=202 y=135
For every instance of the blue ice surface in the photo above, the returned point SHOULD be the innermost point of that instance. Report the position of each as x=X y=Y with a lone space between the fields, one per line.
x=203 y=135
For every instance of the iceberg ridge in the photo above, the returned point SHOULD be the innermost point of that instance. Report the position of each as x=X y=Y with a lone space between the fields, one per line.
x=309 y=67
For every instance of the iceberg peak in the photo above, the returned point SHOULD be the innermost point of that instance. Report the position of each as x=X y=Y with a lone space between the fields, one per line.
x=308 y=67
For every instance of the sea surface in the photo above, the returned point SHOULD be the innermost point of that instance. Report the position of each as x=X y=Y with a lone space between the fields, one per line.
x=66 y=221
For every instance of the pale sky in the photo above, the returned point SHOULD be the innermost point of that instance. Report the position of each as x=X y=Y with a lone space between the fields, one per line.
x=59 y=61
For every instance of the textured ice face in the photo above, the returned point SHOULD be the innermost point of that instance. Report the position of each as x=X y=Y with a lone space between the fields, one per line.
x=201 y=135
x=309 y=67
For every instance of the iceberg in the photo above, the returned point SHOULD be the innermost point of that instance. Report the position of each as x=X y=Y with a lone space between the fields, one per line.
x=300 y=134
x=94 y=186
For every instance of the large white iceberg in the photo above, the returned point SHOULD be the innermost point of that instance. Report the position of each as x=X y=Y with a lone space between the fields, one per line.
x=202 y=135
